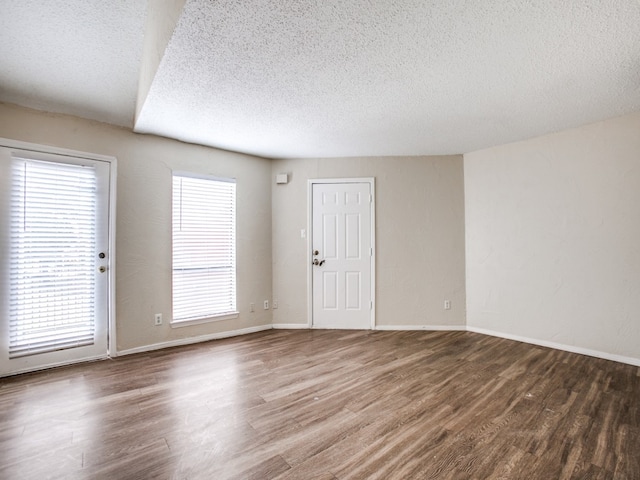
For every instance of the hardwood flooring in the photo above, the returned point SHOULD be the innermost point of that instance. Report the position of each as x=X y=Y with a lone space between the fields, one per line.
x=327 y=404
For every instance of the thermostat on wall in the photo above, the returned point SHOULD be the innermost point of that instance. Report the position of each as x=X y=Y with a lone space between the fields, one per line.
x=282 y=178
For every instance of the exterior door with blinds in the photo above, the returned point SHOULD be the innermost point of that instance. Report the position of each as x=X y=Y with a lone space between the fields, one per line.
x=54 y=263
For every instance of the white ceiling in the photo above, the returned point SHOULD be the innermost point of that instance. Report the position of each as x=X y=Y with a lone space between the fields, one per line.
x=80 y=57
x=329 y=78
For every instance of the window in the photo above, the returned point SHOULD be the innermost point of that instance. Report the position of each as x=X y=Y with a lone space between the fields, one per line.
x=204 y=248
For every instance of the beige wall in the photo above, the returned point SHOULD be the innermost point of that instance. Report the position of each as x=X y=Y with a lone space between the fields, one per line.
x=553 y=238
x=419 y=237
x=551 y=224
x=143 y=225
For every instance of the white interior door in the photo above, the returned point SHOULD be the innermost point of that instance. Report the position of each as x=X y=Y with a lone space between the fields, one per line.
x=342 y=251
x=54 y=240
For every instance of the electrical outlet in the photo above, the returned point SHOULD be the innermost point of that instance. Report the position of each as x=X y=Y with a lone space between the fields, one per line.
x=447 y=304
x=252 y=307
x=274 y=305
x=157 y=318
x=266 y=304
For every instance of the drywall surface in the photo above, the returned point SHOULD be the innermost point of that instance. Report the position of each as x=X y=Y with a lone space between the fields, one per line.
x=160 y=24
x=143 y=224
x=419 y=237
x=553 y=238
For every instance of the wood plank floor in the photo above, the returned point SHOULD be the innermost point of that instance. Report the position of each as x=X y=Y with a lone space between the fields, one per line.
x=327 y=405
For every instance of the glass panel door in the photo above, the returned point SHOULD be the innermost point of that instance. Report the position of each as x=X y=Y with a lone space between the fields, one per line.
x=54 y=239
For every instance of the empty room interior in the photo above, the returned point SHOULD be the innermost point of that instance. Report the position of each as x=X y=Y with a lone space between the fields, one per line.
x=320 y=240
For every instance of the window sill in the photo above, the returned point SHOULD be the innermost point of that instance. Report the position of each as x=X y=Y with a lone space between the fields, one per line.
x=199 y=321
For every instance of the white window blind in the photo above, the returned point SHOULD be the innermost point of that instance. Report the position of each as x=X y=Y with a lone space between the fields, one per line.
x=53 y=261
x=204 y=247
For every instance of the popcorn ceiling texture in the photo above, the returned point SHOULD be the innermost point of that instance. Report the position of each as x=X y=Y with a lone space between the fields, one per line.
x=332 y=78
x=80 y=57
x=335 y=78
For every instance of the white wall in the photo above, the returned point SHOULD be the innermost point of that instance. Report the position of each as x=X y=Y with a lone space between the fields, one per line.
x=553 y=239
x=419 y=237
x=161 y=21
x=143 y=224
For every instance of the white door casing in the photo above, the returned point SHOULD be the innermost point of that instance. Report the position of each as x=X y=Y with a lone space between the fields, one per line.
x=342 y=253
x=101 y=270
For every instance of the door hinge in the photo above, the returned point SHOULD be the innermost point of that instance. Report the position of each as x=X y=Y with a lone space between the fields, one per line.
x=371 y=305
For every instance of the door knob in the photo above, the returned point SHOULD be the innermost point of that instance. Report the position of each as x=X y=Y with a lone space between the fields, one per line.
x=316 y=252
x=101 y=255
x=318 y=262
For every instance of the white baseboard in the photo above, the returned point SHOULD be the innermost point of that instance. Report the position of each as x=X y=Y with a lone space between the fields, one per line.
x=290 y=326
x=443 y=328
x=558 y=346
x=452 y=328
x=439 y=328
x=63 y=363
x=191 y=340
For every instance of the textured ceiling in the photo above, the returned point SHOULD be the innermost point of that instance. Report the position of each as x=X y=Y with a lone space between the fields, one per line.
x=314 y=78
x=80 y=57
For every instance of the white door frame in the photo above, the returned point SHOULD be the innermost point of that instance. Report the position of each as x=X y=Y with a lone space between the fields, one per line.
x=309 y=256
x=111 y=269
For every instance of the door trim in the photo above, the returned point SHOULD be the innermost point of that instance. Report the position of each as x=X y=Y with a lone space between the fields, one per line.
x=309 y=256
x=113 y=163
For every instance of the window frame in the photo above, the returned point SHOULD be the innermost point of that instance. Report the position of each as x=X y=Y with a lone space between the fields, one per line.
x=213 y=316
